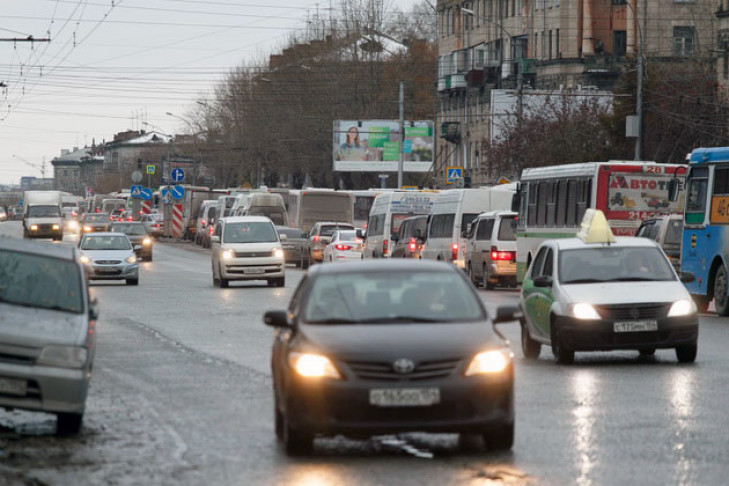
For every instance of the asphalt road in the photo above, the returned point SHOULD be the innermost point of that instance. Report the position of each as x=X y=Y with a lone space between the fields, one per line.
x=182 y=395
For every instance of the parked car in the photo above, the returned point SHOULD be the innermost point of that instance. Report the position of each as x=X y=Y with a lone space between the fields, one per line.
x=155 y=224
x=95 y=222
x=48 y=340
x=109 y=256
x=410 y=238
x=137 y=234
x=345 y=246
x=295 y=245
x=491 y=249
x=667 y=231
x=319 y=237
x=247 y=248
x=384 y=347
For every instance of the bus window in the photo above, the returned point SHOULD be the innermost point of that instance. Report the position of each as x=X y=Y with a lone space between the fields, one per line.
x=571 y=202
x=533 y=195
x=696 y=200
x=542 y=205
x=583 y=199
x=551 y=203
x=561 y=204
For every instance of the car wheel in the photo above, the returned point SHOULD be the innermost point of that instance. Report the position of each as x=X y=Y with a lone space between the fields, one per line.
x=721 y=300
x=500 y=438
x=304 y=264
x=295 y=441
x=280 y=282
x=149 y=258
x=562 y=354
x=647 y=352
x=702 y=302
x=278 y=421
x=686 y=353
x=529 y=346
x=68 y=423
x=487 y=283
x=471 y=277
x=132 y=281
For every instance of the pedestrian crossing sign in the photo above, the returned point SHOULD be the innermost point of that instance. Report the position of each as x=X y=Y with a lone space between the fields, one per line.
x=453 y=174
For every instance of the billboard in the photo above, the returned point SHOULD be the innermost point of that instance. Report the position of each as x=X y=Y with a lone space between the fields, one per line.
x=374 y=146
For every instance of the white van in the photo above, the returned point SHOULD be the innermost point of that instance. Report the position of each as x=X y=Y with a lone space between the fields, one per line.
x=491 y=249
x=388 y=210
x=453 y=210
x=264 y=204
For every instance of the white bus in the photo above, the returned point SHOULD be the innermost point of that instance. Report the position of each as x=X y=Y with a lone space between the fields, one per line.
x=453 y=212
x=309 y=206
x=552 y=200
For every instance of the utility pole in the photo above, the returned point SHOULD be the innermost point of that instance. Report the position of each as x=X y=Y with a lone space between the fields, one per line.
x=400 y=162
x=639 y=91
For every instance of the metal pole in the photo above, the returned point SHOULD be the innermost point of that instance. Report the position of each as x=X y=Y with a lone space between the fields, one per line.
x=639 y=90
x=402 y=135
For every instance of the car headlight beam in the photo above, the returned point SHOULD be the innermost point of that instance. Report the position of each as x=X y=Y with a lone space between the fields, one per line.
x=278 y=253
x=684 y=307
x=85 y=259
x=489 y=362
x=313 y=366
x=147 y=241
x=584 y=311
x=227 y=254
x=131 y=259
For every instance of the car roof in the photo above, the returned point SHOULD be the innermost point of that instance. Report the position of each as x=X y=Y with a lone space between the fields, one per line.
x=246 y=219
x=114 y=223
x=497 y=213
x=383 y=265
x=334 y=223
x=620 y=241
x=105 y=233
x=41 y=248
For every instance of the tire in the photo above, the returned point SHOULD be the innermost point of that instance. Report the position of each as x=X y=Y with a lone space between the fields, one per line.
x=296 y=443
x=500 y=438
x=562 y=354
x=149 y=258
x=224 y=283
x=133 y=281
x=304 y=264
x=487 y=284
x=278 y=422
x=279 y=282
x=702 y=302
x=686 y=353
x=529 y=346
x=647 y=352
x=470 y=276
x=721 y=300
x=68 y=423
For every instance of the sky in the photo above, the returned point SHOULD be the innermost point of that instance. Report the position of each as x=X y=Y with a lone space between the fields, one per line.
x=112 y=65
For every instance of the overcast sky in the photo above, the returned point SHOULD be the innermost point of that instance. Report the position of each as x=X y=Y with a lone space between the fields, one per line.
x=111 y=65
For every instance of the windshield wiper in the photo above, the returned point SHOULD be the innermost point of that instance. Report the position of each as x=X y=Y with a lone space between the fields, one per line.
x=632 y=279
x=334 y=320
x=585 y=280
x=398 y=319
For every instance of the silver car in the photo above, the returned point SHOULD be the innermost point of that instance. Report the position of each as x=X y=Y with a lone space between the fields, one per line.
x=47 y=333
x=109 y=256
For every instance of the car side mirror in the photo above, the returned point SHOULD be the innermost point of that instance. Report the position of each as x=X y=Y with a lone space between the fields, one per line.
x=93 y=309
x=516 y=200
x=687 y=277
x=305 y=235
x=417 y=234
x=393 y=237
x=543 y=281
x=507 y=313
x=673 y=189
x=283 y=237
x=277 y=318
x=360 y=233
x=215 y=239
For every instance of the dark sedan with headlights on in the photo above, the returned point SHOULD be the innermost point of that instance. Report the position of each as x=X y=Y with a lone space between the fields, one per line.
x=95 y=222
x=136 y=231
x=387 y=347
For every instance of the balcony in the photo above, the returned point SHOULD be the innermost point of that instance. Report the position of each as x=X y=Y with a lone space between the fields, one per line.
x=475 y=78
x=603 y=64
x=451 y=131
x=455 y=81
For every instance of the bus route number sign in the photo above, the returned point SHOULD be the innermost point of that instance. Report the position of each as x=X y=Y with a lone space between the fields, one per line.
x=720 y=209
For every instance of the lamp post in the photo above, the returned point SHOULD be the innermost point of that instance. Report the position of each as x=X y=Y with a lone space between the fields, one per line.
x=194 y=144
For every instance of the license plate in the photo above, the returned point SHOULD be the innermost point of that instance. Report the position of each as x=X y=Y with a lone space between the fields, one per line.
x=404 y=397
x=256 y=271
x=13 y=387
x=635 y=326
x=107 y=270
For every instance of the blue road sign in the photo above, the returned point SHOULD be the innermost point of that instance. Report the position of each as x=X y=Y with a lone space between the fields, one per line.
x=146 y=193
x=165 y=192
x=177 y=192
x=20 y=203
x=453 y=173
x=136 y=191
x=177 y=175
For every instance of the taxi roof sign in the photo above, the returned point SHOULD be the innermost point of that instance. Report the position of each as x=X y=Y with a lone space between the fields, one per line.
x=595 y=228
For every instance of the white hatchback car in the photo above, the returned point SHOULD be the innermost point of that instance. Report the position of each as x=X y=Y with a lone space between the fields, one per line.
x=345 y=246
x=247 y=248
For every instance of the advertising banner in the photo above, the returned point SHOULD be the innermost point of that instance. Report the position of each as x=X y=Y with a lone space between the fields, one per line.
x=642 y=193
x=374 y=146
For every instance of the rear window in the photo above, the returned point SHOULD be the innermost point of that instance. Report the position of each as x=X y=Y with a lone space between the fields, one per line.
x=328 y=230
x=290 y=232
x=466 y=219
x=674 y=232
x=441 y=226
x=129 y=229
x=507 y=229
x=95 y=218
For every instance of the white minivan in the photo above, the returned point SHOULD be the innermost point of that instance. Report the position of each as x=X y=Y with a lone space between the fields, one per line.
x=266 y=204
x=388 y=211
x=491 y=249
x=453 y=210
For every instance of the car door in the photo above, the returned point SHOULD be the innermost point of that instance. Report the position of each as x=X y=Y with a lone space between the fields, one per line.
x=216 y=247
x=482 y=246
x=536 y=302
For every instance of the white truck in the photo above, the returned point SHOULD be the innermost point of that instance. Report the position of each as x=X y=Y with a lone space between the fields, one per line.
x=42 y=216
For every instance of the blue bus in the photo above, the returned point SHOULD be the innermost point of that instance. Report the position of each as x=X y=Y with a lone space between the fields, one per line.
x=705 y=246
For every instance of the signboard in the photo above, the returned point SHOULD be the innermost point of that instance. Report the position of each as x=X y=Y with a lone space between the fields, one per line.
x=177 y=192
x=719 y=210
x=151 y=169
x=145 y=193
x=136 y=176
x=638 y=192
x=135 y=191
x=177 y=175
x=374 y=146
x=453 y=174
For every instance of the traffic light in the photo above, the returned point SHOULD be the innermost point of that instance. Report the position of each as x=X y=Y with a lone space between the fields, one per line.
x=139 y=163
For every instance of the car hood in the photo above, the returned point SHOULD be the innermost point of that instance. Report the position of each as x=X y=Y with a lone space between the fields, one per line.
x=384 y=342
x=136 y=238
x=252 y=247
x=625 y=292
x=31 y=327
x=108 y=254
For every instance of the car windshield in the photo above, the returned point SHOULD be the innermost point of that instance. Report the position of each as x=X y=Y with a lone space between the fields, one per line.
x=253 y=232
x=507 y=229
x=391 y=297
x=328 y=230
x=129 y=229
x=674 y=232
x=290 y=232
x=613 y=264
x=347 y=236
x=106 y=242
x=43 y=211
x=41 y=282
x=97 y=218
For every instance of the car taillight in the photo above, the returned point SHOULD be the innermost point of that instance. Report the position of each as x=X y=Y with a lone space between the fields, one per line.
x=385 y=246
x=501 y=255
x=454 y=251
x=341 y=247
x=413 y=245
x=157 y=225
x=210 y=230
x=203 y=224
x=315 y=238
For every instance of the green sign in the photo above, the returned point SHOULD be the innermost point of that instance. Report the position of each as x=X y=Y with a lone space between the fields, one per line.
x=418 y=132
x=379 y=136
x=151 y=169
x=391 y=151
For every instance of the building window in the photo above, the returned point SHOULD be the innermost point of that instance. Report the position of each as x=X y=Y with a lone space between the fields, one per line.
x=620 y=43
x=619 y=2
x=550 y=45
x=683 y=41
x=556 y=45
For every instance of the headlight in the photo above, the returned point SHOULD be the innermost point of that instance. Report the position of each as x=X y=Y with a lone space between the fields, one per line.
x=72 y=225
x=584 y=311
x=489 y=362
x=682 y=308
x=313 y=366
x=63 y=356
x=56 y=227
x=227 y=254
x=131 y=259
x=147 y=241
x=34 y=227
x=85 y=259
x=278 y=253
x=87 y=228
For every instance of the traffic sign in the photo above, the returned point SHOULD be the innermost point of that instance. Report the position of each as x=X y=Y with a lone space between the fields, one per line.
x=145 y=193
x=165 y=191
x=151 y=169
x=177 y=175
x=136 y=176
x=453 y=174
x=166 y=197
x=20 y=203
x=136 y=191
x=177 y=192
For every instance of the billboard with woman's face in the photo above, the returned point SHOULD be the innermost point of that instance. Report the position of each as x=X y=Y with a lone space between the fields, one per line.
x=374 y=146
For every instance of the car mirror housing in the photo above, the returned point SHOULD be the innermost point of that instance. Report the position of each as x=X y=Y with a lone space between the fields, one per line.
x=276 y=318
x=215 y=239
x=283 y=237
x=687 y=277
x=393 y=237
x=543 y=281
x=93 y=309
x=507 y=313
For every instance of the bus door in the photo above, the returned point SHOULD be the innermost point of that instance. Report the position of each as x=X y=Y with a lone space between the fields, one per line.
x=699 y=245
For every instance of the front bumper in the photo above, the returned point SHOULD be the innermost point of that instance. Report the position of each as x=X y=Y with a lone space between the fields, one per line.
x=467 y=404
x=113 y=272
x=45 y=231
x=143 y=251
x=600 y=335
x=252 y=268
x=347 y=256
x=50 y=389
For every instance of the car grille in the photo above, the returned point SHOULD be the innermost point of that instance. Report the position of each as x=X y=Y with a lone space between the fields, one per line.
x=626 y=312
x=426 y=370
x=107 y=262
x=253 y=254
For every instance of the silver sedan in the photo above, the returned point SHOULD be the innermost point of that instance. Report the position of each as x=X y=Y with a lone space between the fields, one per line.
x=110 y=256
